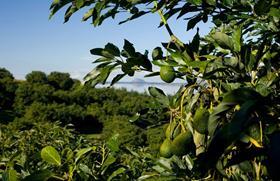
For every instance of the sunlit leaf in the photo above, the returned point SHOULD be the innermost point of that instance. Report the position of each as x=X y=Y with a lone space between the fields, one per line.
x=82 y=152
x=116 y=173
x=50 y=155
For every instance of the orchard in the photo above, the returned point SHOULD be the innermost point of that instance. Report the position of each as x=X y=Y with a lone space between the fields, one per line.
x=223 y=124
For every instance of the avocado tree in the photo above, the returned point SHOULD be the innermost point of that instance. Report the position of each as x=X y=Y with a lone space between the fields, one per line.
x=224 y=123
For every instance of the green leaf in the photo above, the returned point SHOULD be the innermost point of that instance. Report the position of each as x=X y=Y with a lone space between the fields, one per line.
x=92 y=75
x=113 y=143
x=241 y=95
x=159 y=95
x=195 y=42
x=117 y=78
x=108 y=161
x=116 y=173
x=50 y=155
x=157 y=53
x=274 y=12
x=223 y=40
x=134 y=16
x=57 y=5
x=127 y=68
x=227 y=2
x=128 y=48
x=199 y=141
x=187 y=8
x=152 y=74
x=113 y=49
x=79 y=3
x=69 y=12
x=101 y=52
x=214 y=117
x=54 y=3
x=249 y=59
x=88 y=14
x=105 y=72
x=195 y=2
x=177 y=57
x=42 y=175
x=192 y=22
x=160 y=63
x=144 y=62
x=10 y=175
x=236 y=38
x=82 y=152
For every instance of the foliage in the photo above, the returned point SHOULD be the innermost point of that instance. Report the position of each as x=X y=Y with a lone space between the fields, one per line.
x=36 y=77
x=60 y=80
x=27 y=155
x=87 y=110
x=7 y=89
x=226 y=117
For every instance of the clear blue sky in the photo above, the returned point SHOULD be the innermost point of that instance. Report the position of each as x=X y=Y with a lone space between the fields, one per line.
x=29 y=41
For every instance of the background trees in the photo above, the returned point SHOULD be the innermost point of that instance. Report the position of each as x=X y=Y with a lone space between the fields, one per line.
x=36 y=77
x=60 y=80
x=7 y=89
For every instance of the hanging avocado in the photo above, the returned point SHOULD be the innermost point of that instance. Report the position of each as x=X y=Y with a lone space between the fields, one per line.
x=200 y=120
x=165 y=148
x=182 y=144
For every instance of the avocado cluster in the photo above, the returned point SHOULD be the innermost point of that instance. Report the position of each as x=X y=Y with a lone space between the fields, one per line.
x=178 y=141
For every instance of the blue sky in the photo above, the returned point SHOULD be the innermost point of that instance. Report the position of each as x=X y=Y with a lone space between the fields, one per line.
x=29 y=41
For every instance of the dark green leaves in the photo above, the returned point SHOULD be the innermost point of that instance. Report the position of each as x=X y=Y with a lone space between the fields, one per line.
x=42 y=175
x=193 y=21
x=111 y=58
x=128 y=48
x=230 y=132
x=134 y=16
x=157 y=54
x=262 y=7
x=114 y=50
x=241 y=95
x=273 y=155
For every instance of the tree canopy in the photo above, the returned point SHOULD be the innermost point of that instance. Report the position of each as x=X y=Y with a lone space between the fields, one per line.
x=222 y=124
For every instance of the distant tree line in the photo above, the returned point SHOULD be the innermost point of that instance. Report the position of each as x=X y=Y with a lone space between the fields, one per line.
x=57 y=97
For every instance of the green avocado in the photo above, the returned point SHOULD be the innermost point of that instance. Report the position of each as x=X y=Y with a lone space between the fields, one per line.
x=167 y=74
x=200 y=120
x=165 y=148
x=182 y=144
